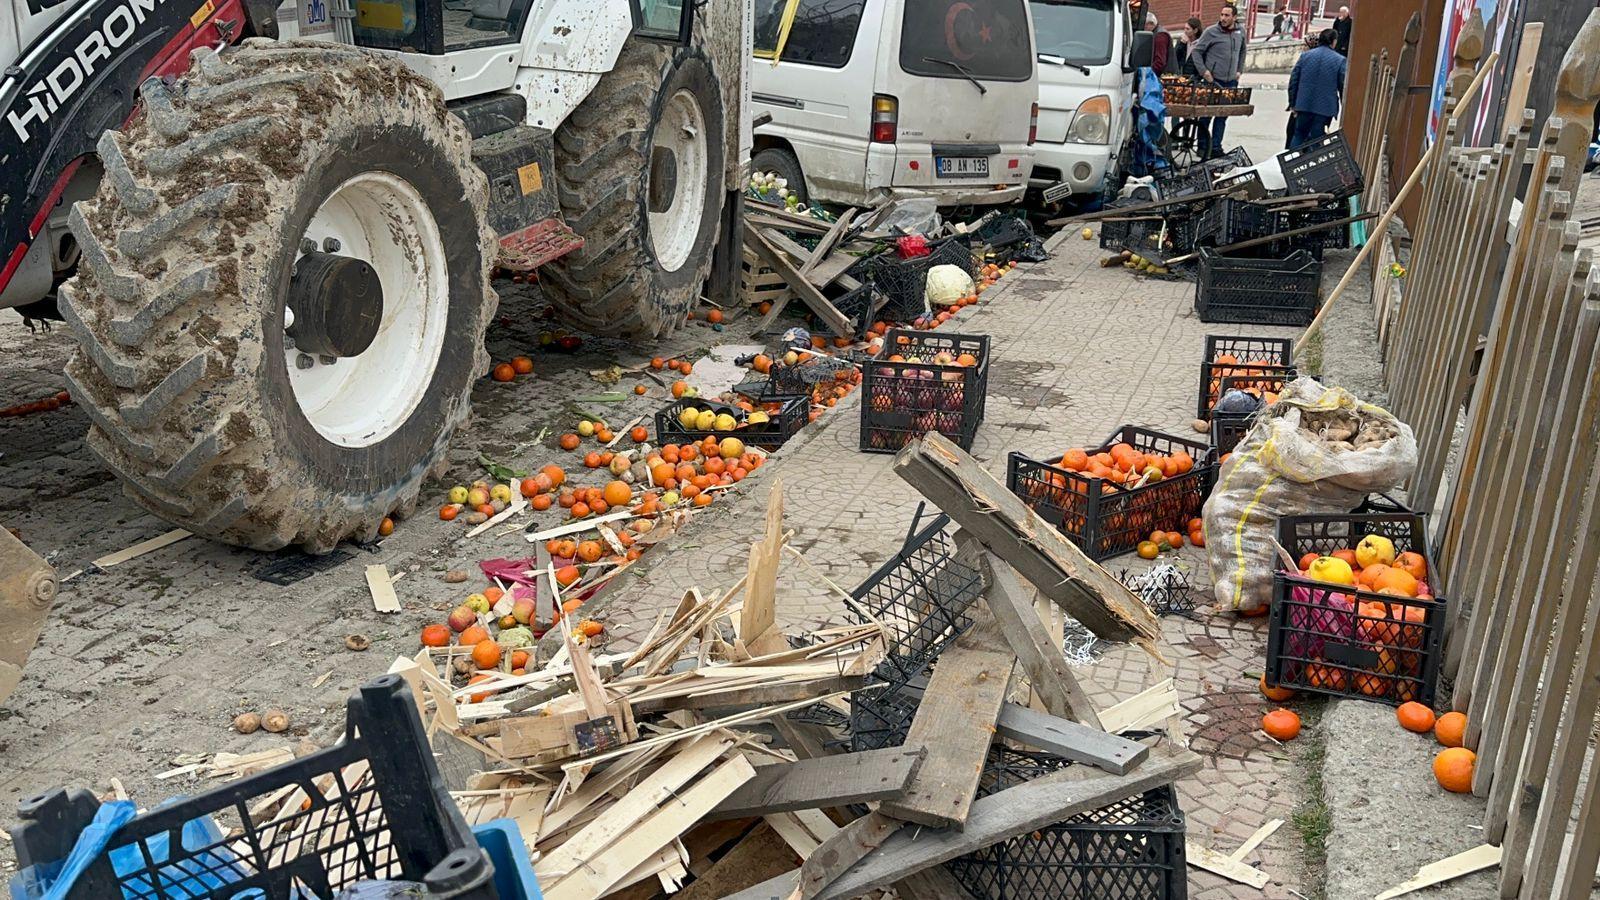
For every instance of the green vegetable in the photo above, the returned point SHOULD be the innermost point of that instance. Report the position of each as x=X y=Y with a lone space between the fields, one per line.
x=515 y=638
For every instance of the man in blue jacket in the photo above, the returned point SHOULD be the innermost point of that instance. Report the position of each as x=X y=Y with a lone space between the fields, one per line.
x=1316 y=87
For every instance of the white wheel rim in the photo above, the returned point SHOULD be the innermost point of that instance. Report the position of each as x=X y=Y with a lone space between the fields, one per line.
x=361 y=400
x=673 y=230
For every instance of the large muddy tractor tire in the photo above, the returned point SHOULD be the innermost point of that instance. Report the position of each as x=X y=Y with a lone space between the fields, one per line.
x=641 y=171
x=283 y=293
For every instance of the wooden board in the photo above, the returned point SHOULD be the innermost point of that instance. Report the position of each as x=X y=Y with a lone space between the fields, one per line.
x=1483 y=856
x=1012 y=605
x=965 y=491
x=1190 y=111
x=955 y=723
x=1025 y=808
x=1149 y=706
x=671 y=820
x=1063 y=737
x=825 y=310
x=761 y=855
x=818 y=783
x=382 y=589
x=1203 y=857
x=141 y=548
x=843 y=850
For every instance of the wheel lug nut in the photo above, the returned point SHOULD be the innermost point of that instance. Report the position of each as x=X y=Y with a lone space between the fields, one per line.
x=304 y=361
x=331 y=245
x=307 y=245
x=327 y=360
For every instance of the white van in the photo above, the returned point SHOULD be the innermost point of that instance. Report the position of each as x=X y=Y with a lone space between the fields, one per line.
x=1088 y=51
x=883 y=99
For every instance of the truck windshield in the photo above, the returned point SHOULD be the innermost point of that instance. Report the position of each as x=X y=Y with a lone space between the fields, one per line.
x=1078 y=31
x=977 y=39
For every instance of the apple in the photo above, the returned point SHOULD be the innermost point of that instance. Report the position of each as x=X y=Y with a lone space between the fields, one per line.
x=462 y=618
x=524 y=611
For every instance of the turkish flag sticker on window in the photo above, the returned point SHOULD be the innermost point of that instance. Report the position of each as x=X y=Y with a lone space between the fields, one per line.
x=979 y=39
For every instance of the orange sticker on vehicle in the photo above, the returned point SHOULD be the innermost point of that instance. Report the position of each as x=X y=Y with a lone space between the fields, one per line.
x=530 y=178
x=202 y=14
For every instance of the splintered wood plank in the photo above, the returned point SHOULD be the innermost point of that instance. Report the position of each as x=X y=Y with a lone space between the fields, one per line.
x=1149 y=706
x=761 y=855
x=1019 y=810
x=1483 y=856
x=759 y=241
x=966 y=492
x=635 y=805
x=1063 y=737
x=677 y=815
x=1012 y=605
x=820 y=783
x=1203 y=857
x=383 y=597
x=843 y=850
x=955 y=723
x=141 y=548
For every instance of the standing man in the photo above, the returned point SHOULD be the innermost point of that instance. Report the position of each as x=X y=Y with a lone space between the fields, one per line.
x=1161 y=45
x=1316 y=87
x=1219 y=58
x=1342 y=26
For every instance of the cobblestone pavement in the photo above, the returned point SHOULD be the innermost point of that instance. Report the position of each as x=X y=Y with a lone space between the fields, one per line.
x=1079 y=351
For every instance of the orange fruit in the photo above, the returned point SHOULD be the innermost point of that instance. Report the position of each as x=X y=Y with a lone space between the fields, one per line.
x=566 y=549
x=449 y=511
x=521 y=365
x=1273 y=693
x=1075 y=459
x=493 y=593
x=567 y=499
x=639 y=389
x=1308 y=559
x=1281 y=724
x=589 y=627
x=580 y=510
x=386 y=527
x=1413 y=716
x=604 y=435
x=1452 y=768
x=1195 y=524
x=557 y=475
x=528 y=487
x=1348 y=556
x=678 y=389
x=762 y=363
x=1175 y=539
x=660 y=472
x=589 y=551
x=436 y=635
x=1397 y=579
x=592 y=460
x=617 y=493
x=1450 y=728
x=1368 y=576
x=764 y=308
x=486 y=654
x=1149 y=550
x=598 y=506
x=640 y=434
x=703 y=499
x=503 y=372
x=473 y=634
x=1413 y=564
x=553 y=547
x=658 y=363
x=566 y=576
x=485 y=508
x=714 y=316
x=1197 y=538
x=540 y=502
x=569 y=441
x=479 y=696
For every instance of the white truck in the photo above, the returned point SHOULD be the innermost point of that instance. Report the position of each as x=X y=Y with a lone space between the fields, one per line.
x=1089 y=52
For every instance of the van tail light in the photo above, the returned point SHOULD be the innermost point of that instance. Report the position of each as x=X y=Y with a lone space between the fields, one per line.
x=885 y=118
x=1033 y=125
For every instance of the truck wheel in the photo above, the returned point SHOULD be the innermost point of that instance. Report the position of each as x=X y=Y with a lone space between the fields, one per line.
x=283 y=293
x=641 y=172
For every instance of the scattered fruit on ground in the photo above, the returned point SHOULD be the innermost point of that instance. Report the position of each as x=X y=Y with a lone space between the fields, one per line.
x=521 y=365
x=486 y=654
x=386 y=527
x=569 y=441
x=1274 y=693
x=461 y=618
x=1450 y=729
x=436 y=635
x=473 y=636
x=1453 y=769
x=586 y=428
x=1281 y=724
x=1413 y=716
x=503 y=372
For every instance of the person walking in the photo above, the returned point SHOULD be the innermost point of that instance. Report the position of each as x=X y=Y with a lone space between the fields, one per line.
x=1313 y=41
x=1219 y=58
x=1277 y=18
x=1316 y=87
x=1342 y=26
x=1160 y=45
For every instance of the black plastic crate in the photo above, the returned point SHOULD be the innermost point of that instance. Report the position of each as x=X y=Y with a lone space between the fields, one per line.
x=1176 y=184
x=921 y=596
x=1132 y=849
x=1229 y=221
x=1105 y=518
x=1258 y=291
x=375 y=808
x=902 y=401
x=770 y=435
x=1349 y=641
x=905 y=281
x=1156 y=238
x=1267 y=354
x=1249 y=182
x=1227 y=431
x=1324 y=166
x=1317 y=241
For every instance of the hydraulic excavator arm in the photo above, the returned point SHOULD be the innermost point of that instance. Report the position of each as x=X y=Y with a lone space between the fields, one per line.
x=27 y=588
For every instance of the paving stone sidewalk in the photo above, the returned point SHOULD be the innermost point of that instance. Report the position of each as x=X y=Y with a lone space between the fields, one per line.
x=1078 y=351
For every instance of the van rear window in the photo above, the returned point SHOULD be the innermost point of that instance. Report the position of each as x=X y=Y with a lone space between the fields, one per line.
x=982 y=39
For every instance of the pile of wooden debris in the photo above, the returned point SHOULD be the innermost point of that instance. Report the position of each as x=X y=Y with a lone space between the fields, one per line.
x=679 y=767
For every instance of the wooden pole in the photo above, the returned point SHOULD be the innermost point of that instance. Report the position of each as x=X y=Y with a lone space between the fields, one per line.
x=1382 y=227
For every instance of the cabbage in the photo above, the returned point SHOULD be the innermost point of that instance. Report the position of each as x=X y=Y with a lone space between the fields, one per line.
x=947 y=284
x=515 y=638
x=1238 y=403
